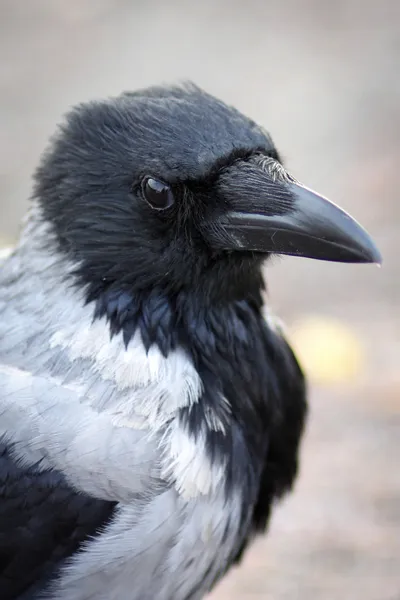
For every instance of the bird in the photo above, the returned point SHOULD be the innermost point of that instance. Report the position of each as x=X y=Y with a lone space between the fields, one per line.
x=151 y=409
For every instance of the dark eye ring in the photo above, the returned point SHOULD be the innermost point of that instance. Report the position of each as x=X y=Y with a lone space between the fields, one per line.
x=157 y=193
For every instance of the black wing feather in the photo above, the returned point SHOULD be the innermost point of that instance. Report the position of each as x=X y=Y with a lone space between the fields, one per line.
x=280 y=464
x=42 y=522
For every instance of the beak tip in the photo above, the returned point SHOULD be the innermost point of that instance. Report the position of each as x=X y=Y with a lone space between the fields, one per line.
x=378 y=259
x=371 y=254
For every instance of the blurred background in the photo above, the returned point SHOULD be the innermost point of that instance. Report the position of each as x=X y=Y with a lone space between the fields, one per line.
x=324 y=78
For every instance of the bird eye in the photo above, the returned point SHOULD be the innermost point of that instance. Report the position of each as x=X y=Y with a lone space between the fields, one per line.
x=157 y=193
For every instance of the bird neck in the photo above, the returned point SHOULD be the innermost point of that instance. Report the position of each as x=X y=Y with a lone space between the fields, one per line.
x=216 y=312
x=170 y=321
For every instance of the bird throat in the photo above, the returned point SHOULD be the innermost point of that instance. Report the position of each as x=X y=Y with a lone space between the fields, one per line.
x=229 y=346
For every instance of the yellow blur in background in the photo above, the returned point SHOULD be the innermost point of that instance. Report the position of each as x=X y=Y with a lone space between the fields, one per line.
x=329 y=351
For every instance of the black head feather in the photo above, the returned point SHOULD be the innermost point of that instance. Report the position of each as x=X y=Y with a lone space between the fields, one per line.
x=89 y=186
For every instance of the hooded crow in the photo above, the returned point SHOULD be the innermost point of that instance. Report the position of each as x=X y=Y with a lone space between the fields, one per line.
x=150 y=415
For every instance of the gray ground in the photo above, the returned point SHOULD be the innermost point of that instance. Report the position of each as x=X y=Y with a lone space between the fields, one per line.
x=324 y=78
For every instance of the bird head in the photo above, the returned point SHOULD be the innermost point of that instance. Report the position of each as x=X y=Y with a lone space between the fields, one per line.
x=171 y=188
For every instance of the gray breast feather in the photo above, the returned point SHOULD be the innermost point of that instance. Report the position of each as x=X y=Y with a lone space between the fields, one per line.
x=158 y=539
x=52 y=423
x=164 y=548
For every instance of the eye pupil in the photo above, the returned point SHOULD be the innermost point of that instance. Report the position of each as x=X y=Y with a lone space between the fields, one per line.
x=157 y=193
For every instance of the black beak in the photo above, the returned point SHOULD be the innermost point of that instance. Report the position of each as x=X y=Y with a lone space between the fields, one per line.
x=283 y=217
